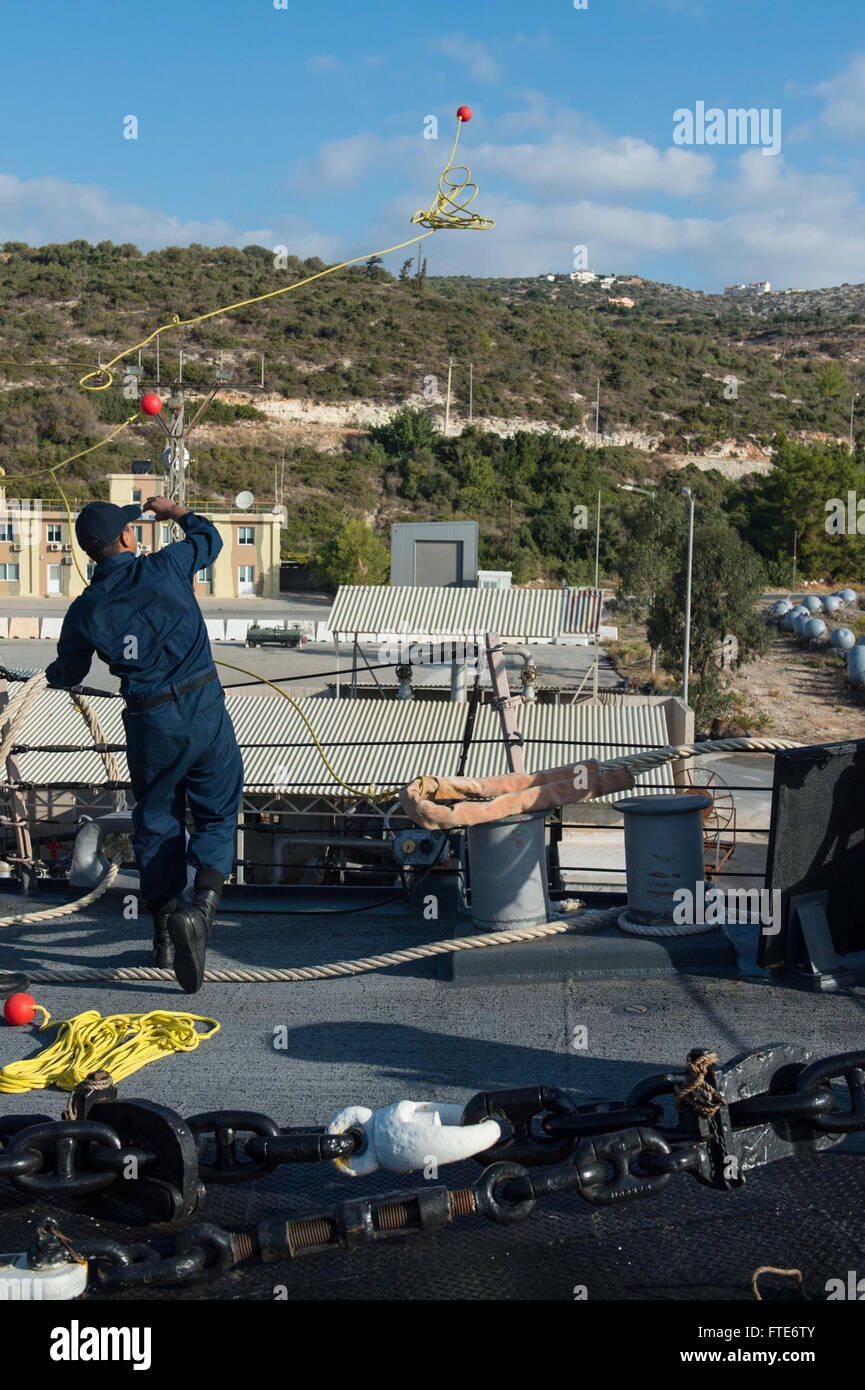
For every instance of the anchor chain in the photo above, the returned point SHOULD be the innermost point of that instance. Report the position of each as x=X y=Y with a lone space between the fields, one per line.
x=765 y=1105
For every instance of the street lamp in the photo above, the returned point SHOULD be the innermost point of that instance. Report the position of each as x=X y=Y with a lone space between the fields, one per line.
x=686 y=492
x=629 y=487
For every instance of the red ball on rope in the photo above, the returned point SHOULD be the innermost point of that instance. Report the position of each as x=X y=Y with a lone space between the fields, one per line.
x=19 y=1008
x=464 y=113
x=151 y=404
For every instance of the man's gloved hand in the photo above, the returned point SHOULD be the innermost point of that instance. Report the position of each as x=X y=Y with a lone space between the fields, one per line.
x=164 y=509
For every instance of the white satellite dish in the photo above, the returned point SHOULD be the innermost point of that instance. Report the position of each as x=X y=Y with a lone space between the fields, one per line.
x=244 y=500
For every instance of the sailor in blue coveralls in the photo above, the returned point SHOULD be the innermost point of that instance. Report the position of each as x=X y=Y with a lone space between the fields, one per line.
x=140 y=615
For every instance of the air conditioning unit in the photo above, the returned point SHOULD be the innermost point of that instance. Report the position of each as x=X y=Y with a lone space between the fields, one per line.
x=67 y=547
x=145 y=549
x=67 y=560
x=16 y=546
x=54 y=545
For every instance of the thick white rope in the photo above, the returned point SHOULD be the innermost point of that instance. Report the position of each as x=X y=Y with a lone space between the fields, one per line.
x=659 y=757
x=582 y=922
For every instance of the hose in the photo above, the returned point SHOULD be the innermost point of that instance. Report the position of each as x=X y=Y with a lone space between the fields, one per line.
x=485 y=800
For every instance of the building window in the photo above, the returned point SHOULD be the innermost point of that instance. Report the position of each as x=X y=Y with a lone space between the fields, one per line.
x=245 y=580
x=9 y=572
x=205 y=576
x=6 y=531
x=136 y=494
x=166 y=535
x=246 y=535
x=139 y=533
x=55 y=531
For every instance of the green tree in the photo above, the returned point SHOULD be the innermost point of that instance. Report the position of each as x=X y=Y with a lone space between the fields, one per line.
x=792 y=500
x=407 y=432
x=726 y=583
x=831 y=382
x=354 y=556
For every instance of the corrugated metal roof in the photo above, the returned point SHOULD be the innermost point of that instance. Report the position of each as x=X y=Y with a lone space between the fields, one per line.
x=410 y=737
x=582 y=610
x=415 y=613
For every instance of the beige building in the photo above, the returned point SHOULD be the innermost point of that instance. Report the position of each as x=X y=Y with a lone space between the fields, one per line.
x=37 y=561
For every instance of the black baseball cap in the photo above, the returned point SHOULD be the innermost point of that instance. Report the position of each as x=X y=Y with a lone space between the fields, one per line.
x=100 y=523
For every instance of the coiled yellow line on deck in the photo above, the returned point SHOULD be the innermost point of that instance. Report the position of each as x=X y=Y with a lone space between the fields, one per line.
x=119 y=1044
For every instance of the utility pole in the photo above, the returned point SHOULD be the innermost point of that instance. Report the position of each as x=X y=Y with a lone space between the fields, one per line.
x=795 y=539
x=853 y=399
x=180 y=372
x=177 y=449
x=686 y=491
x=175 y=455
x=448 y=399
x=597 y=412
x=471 y=384
x=157 y=359
x=262 y=371
x=598 y=538
x=510 y=515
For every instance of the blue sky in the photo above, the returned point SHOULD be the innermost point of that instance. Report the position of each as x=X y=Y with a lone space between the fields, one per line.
x=304 y=126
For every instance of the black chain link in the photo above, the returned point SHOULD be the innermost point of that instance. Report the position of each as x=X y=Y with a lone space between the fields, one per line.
x=762 y=1106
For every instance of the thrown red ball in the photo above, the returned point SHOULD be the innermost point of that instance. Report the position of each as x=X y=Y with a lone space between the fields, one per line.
x=151 y=404
x=464 y=113
x=19 y=1008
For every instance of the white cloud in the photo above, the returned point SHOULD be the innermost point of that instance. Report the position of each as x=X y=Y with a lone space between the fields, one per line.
x=475 y=56
x=324 y=62
x=844 y=96
x=565 y=163
x=341 y=164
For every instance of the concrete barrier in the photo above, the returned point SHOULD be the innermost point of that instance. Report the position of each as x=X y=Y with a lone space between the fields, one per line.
x=215 y=629
x=51 y=628
x=23 y=627
x=235 y=629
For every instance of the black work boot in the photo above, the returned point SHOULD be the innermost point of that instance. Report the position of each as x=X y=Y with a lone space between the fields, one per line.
x=189 y=928
x=163 y=948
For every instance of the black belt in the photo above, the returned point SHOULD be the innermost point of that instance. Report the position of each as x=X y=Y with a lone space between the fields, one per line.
x=153 y=700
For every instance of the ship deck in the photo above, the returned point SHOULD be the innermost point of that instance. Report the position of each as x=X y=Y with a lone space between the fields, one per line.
x=424 y=1032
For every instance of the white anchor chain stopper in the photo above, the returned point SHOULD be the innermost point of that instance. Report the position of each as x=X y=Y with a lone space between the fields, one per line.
x=410 y=1135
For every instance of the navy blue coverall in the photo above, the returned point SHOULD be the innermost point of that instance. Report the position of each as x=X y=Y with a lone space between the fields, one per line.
x=140 y=615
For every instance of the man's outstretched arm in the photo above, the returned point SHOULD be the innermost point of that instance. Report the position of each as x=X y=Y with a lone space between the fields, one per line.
x=201 y=544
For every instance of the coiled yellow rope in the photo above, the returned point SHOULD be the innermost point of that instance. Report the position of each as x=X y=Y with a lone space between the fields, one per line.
x=119 y=1044
x=444 y=212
